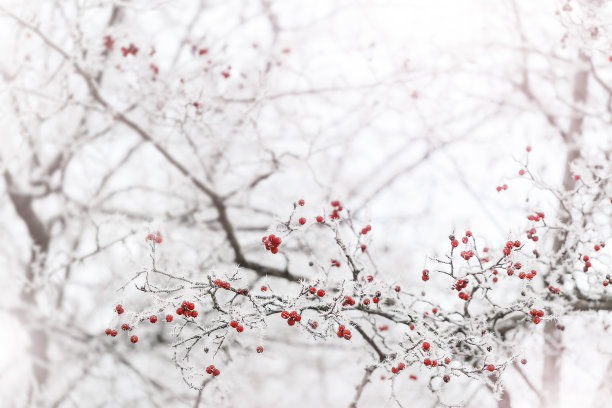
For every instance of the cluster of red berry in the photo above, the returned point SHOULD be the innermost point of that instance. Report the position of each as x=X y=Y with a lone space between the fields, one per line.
x=312 y=290
x=335 y=263
x=454 y=242
x=531 y=235
x=597 y=247
x=536 y=217
x=109 y=42
x=348 y=301
x=607 y=281
x=467 y=254
x=187 y=309
x=344 y=332
x=314 y=324
x=536 y=315
x=291 y=317
x=271 y=242
x=244 y=292
x=111 y=332
x=502 y=187
x=587 y=263
x=553 y=290
x=430 y=362
x=119 y=309
x=528 y=275
x=222 y=284
x=211 y=369
x=399 y=368
x=132 y=49
x=508 y=248
x=236 y=326
x=366 y=229
x=336 y=211
x=154 y=237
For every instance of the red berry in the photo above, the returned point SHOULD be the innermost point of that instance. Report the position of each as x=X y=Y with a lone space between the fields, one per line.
x=119 y=309
x=216 y=372
x=319 y=218
x=260 y=348
x=435 y=310
x=454 y=243
x=290 y=322
x=490 y=367
x=125 y=326
x=114 y=333
x=108 y=331
x=301 y=202
x=234 y=323
x=528 y=148
x=302 y=221
x=153 y=319
x=376 y=300
x=398 y=288
x=427 y=362
x=521 y=172
x=524 y=361
x=169 y=317
x=134 y=339
x=426 y=346
x=312 y=290
x=320 y=293
x=264 y=288
x=239 y=329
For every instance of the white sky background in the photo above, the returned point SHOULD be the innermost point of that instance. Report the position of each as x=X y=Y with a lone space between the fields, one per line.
x=370 y=57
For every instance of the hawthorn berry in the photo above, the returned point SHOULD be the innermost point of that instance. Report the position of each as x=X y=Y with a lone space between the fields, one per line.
x=366 y=301
x=114 y=333
x=134 y=339
x=153 y=319
x=239 y=329
x=426 y=346
x=491 y=367
x=125 y=326
x=260 y=348
x=524 y=361
x=169 y=318
x=302 y=221
x=119 y=309
x=108 y=332
x=312 y=290
x=319 y=218
x=301 y=202
x=398 y=288
x=320 y=292
x=446 y=378
x=234 y=324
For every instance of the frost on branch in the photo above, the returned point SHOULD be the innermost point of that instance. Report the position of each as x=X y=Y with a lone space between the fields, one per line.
x=498 y=292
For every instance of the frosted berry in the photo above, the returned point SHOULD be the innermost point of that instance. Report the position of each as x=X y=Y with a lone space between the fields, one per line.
x=134 y=339
x=169 y=317
x=153 y=319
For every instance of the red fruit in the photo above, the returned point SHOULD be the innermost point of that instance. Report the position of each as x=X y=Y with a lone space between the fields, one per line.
x=302 y=221
x=301 y=202
x=401 y=366
x=521 y=172
x=153 y=319
x=119 y=309
x=447 y=360
x=528 y=148
x=597 y=247
x=427 y=362
x=413 y=377
x=435 y=310
x=234 y=323
x=169 y=317
x=319 y=218
x=370 y=278
x=312 y=290
x=366 y=301
x=320 y=293
x=464 y=240
x=125 y=326
x=114 y=333
x=216 y=372
x=398 y=288
x=411 y=326
x=290 y=322
x=576 y=177
x=264 y=288
x=209 y=369
x=394 y=370
x=108 y=331
x=434 y=363
x=179 y=311
x=239 y=329
x=536 y=320
x=376 y=300
x=524 y=361
x=540 y=313
x=335 y=203
x=426 y=346
x=285 y=314
x=454 y=243
x=363 y=247
x=260 y=348
x=490 y=367
x=134 y=339
x=158 y=239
